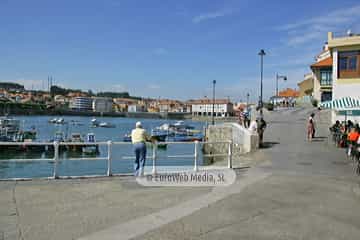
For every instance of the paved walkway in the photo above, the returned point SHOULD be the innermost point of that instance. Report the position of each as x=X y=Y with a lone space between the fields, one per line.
x=297 y=190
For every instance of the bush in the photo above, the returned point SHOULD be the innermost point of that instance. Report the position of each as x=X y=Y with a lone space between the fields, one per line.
x=269 y=106
x=314 y=102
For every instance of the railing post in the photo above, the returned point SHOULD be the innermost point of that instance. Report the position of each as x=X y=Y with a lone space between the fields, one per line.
x=109 y=158
x=56 y=159
x=230 y=154
x=196 y=155
x=154 y=156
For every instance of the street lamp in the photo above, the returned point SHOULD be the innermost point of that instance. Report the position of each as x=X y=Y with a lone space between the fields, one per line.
x=261 y=54
x=213 y=103
x=277 y=83
x=247 y=100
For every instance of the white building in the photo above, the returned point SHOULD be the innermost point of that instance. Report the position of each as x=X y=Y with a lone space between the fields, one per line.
x=102 y=104
x=81 y=104
x=136 y=108
x=204 y=107
x=345 y=51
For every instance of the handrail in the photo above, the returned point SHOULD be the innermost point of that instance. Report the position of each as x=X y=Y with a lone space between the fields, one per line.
x=109 y=158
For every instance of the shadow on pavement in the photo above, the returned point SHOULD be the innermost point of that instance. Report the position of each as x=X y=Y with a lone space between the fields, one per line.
x=268 y=144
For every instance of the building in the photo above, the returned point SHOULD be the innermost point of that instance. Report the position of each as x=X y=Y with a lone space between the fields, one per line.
x=345 y=51
x=122 y=104
x=81 y=104
x=102 y=104
x=306 y=89
x=286 y=97
x=136 y=108
x=322 y=74
x=166 y=105
x=204 y=107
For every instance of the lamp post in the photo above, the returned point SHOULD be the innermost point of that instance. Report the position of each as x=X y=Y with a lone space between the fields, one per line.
x=213 y=103
x=247 y=100
x=261 y=54
x=277 y=85
x=277 y=82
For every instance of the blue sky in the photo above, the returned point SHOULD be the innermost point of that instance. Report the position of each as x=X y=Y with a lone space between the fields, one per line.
x=167 y=49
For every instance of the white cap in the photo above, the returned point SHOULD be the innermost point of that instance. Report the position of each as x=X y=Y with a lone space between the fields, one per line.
x=138 y=124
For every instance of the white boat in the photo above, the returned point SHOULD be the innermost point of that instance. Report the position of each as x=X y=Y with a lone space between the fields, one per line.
x=54 y=120
x=106 y=125
x=60 y=121
x=94 y=122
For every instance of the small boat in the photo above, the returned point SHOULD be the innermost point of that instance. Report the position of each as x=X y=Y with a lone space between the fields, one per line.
x=90 y=149
x=127 y=138
x=106 y=125
x=60 y=121
x=54 y=120
x=75 y=138
x=94 y=122
x=185 y=138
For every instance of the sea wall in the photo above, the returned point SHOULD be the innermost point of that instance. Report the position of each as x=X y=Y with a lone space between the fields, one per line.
x=243 y=140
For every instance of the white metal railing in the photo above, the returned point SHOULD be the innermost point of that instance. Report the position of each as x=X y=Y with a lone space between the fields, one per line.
x=109 y=157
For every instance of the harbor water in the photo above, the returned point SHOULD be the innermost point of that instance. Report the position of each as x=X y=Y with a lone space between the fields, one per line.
x=120 y=153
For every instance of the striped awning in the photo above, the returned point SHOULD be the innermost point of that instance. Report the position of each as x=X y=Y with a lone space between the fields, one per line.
x=342 y=104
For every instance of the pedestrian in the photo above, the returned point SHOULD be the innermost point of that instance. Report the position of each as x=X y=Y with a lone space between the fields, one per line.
x=311 y=127
x=261 y=130
x=139 y=137
x=253 y=126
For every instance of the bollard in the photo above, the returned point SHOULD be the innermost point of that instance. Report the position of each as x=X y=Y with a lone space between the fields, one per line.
x=196 y=155
x=230 y=155
x=109 y=158
x=56 y=159
x=154 y=156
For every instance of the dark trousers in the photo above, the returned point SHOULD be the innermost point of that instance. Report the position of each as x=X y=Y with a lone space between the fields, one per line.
x=140 y=158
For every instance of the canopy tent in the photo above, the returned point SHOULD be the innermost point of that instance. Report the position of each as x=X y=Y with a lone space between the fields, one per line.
x=345 y=103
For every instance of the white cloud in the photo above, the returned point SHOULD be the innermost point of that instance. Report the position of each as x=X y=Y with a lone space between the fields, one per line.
x=315 y=28
x=211 y=15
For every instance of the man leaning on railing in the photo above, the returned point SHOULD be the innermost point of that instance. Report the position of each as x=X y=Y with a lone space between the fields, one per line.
x=139 y=137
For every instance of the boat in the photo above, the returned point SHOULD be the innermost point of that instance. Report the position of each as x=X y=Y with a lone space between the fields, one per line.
x=75 y=138
x=90 y=149
x=60 y=121
x=185 y=138
x=94 y=122
x=106 y=125
x=54 y=120
x=10 y=132
x=177 y=132
x=127 y=138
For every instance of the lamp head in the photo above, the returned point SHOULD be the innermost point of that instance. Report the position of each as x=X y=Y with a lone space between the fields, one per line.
x=262 y=52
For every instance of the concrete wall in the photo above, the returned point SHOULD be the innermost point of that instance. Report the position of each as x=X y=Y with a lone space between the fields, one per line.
x=243 y=140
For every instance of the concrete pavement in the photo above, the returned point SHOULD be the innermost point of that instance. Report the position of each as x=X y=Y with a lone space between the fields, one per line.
x=293 y=190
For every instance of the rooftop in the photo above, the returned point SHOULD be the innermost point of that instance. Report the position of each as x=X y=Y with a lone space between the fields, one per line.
x=327 y=62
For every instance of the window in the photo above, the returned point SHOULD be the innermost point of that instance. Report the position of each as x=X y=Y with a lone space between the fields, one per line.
x=325 y=77
x=348 y=64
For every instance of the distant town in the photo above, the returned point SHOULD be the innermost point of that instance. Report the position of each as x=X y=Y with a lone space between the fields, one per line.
x=14 y=96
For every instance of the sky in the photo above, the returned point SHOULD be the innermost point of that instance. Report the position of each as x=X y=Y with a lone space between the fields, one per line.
x=167 y=49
